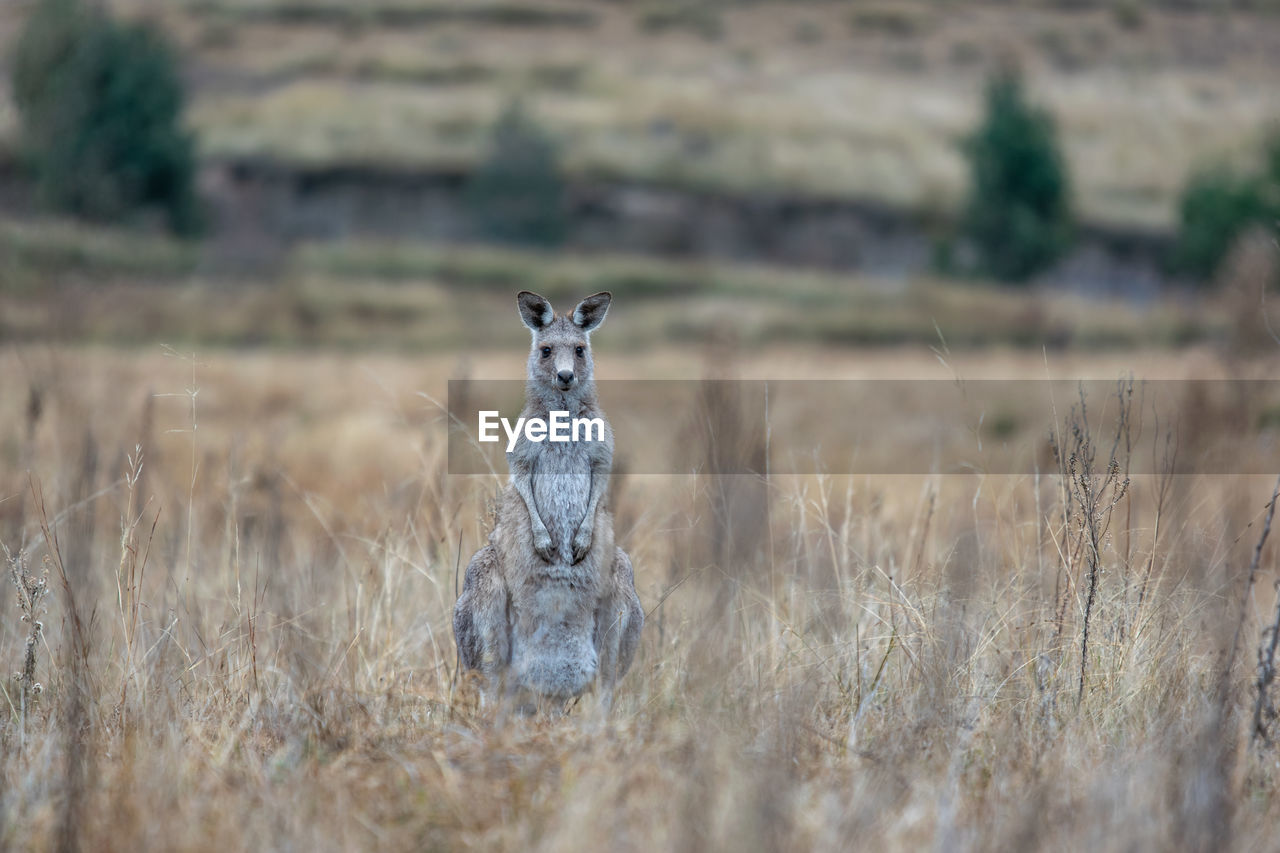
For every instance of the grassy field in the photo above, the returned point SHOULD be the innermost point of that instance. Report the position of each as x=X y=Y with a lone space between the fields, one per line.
x=251 y=558
x=864 y=100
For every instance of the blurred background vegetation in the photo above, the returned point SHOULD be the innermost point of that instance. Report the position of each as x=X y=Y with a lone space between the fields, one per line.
x=1045 y=172
x=100 y=104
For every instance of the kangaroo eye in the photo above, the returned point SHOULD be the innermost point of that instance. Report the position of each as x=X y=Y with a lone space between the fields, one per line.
x=580 y=351
x=546 y=352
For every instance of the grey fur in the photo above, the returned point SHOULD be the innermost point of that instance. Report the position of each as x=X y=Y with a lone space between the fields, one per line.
x=549 y=607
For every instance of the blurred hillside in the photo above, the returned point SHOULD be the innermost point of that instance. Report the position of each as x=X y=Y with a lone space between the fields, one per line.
x=78 y=283
x=811 y=134
x=838 y=99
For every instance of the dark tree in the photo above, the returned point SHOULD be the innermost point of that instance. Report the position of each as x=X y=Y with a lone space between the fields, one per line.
x=101 y=107
x=517 y=194
x=1218 y=206
x=1018 y=212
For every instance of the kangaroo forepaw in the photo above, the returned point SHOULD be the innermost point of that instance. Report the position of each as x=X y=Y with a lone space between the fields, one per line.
x=581 y=544
x=542 y=546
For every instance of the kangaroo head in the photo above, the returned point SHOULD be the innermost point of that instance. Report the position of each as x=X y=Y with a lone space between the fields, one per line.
x=561 y=355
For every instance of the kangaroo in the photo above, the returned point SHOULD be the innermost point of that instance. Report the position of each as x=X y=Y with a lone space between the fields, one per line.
x=549 y=607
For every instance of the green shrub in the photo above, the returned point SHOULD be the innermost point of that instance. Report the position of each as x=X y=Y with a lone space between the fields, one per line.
x=1217 y=206
x=1129 y=14
x=887 y=20
x=517 y=193
x=696 y=17
x=1017 y=214
x=101 y=106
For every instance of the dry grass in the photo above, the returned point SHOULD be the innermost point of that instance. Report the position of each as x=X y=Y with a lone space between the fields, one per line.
x=888 y=662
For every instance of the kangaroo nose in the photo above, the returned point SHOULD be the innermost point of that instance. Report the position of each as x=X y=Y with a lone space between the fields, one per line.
x=565 y=376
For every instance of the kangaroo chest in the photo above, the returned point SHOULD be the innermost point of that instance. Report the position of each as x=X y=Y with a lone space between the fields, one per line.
x=561 y=489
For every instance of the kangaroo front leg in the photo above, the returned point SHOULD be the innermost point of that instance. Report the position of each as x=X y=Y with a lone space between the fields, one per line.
x=542 y=545
x=585 y=533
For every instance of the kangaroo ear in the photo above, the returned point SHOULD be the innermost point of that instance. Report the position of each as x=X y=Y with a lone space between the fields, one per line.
x=534 y=310
x=590 y=312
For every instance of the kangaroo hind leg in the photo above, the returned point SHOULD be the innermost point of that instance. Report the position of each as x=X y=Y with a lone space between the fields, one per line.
x=480 y=624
